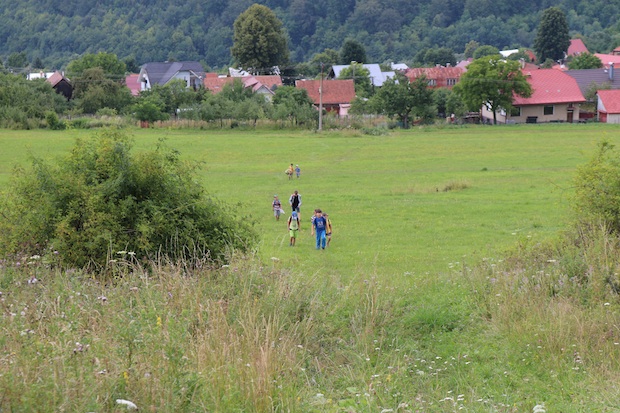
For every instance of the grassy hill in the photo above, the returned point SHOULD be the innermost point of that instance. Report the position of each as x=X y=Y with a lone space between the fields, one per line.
x=447 y=285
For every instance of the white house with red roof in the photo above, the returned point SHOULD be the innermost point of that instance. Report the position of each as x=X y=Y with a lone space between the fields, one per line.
x=556 y=97
x=608 y=108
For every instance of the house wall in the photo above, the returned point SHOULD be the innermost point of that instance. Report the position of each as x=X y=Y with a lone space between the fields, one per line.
x=185 y=76
x=560 y=114
x=611 y=118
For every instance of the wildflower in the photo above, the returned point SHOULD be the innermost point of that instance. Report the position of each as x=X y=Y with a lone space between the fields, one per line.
x=158 y=321
x=126 y=375
x=103 y=298
x=33 y=280
x=539 y=408
x=130 y=405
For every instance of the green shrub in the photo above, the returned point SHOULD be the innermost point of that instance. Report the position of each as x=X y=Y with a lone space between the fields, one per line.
x=80 y=123
x=597 y=188
x=53 y=122
x=101 y=199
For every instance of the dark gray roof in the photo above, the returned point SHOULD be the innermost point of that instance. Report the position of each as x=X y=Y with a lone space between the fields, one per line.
x=160 y=73
x=586 y=78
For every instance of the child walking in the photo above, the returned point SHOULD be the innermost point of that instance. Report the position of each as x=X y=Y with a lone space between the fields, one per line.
x=293 y=227
x=319 y=226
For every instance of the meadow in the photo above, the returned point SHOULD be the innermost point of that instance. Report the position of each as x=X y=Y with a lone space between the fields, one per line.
x=398 y=314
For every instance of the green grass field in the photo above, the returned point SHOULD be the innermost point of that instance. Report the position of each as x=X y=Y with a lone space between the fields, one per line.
x=409 y=202
x=411 y=309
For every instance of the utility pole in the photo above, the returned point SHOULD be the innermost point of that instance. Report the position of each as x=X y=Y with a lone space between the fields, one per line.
x=321 y=100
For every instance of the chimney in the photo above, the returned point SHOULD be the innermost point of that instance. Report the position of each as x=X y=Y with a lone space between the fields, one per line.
x=611 y=71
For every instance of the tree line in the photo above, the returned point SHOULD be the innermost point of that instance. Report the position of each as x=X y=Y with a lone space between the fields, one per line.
x=52 y=32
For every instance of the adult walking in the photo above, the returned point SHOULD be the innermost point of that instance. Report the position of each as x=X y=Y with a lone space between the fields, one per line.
x=295 y=202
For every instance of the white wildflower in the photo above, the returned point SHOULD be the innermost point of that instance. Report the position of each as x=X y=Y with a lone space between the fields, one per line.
x=539 y=408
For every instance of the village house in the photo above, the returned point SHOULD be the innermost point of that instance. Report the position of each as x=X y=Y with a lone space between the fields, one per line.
x=376 y=75
x=335 y=95
x=161 y=73
x=58 y=81
x=608 y=107
x=438 y=76
x=262 y=84
x=556 y=97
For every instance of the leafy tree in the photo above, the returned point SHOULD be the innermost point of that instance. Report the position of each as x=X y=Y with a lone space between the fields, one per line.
x=470 y=48
x=552 y=39
x=131 y=64
x=17 y=60
x=259 y=40
x=485 y=50
x=23 y=100
x=327 y=58
x=585 y=61
x=174 y=95
x=521 y=54
x=436 y=56
x=294 y=105
x=492 y=81
x=401 y=99
x=361 y=78
x=93 y=90
x=101 y=198
x=107 y=62
x=447 y=103
x=38 y=63
x=150 y=109
x=352 y=51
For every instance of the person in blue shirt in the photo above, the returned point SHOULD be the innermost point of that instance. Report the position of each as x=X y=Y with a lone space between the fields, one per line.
x=297 y=171
x=319 y=225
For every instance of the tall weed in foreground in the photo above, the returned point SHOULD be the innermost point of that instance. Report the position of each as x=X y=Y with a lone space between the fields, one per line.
x=557 y=304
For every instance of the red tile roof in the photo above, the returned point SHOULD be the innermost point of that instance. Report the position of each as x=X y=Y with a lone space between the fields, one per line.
x=576 y=47
x=214 y=83
x=334 y=91
x=55 y=78
x=438 y=73
x=550 y=86
x=133 y=83
x=610 y=100
x=608 y=58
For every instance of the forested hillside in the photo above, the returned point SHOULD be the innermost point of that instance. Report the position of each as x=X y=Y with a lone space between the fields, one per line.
x=57 y=31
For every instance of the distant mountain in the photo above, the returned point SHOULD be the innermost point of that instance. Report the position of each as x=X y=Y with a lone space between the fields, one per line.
x=391 y=30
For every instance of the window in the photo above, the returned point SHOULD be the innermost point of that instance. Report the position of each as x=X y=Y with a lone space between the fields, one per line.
x=432 y=82
x=515 y=112
x=548 y=110
x=451 y=82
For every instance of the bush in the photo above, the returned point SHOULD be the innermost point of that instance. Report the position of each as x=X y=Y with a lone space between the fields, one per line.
x=597 y=188
x=101 y=199
x=53 y=122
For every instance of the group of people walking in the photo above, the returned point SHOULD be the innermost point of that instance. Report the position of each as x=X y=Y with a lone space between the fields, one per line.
x=321 y=225
x=293 y=170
